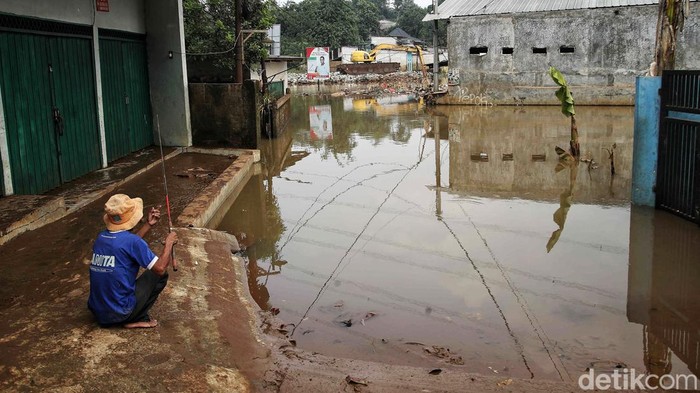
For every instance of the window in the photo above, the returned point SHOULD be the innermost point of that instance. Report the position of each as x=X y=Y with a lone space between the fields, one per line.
x=566 y=49
x=506 y=50
x=539 y=50
x=478 y=50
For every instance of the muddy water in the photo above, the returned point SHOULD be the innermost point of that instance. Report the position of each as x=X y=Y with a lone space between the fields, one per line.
x=379 y=242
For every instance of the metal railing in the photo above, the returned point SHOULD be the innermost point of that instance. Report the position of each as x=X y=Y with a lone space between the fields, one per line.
x=678 y=173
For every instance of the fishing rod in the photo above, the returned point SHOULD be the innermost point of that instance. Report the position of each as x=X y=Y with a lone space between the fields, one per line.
x=165 y=185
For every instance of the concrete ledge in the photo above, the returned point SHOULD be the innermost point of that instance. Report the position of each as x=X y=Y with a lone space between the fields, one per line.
x=225 y=152
x=213 y=202
x=50 y=210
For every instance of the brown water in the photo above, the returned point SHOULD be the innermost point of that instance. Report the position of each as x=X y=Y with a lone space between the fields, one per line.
x=377 y=242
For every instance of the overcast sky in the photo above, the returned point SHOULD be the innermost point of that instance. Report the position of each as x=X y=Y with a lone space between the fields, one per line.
x=420 y=3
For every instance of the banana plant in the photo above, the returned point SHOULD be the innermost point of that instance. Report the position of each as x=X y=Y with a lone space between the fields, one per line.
x=567 y=108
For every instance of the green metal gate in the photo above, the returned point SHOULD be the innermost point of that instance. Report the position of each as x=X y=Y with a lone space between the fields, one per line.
x=48 y=89
x=125 y=95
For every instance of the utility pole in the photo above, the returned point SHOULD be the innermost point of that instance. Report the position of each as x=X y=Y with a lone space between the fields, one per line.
x=436 y=56
x=436 y=119
x=239 y=42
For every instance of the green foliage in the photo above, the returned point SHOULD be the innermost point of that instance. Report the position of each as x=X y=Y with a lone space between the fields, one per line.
x=410 y=20
x=331 y=23
x=337 y=23
x=368 y=15
x=563 y=94
x=210 y=28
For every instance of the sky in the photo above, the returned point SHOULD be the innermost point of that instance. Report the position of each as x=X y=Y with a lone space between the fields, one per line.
x=420 y=3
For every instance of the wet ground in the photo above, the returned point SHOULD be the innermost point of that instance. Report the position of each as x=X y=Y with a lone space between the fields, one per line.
x=44 y=285
x=375 y=241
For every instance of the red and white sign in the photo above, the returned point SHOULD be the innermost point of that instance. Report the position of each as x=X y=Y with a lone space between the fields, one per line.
x=102 y=5
x=318 y=63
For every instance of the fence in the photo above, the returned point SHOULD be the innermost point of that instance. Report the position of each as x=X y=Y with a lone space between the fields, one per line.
x=678 y=176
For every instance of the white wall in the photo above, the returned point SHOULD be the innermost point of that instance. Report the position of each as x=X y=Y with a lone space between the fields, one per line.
x=168 y=77
x=126 y=15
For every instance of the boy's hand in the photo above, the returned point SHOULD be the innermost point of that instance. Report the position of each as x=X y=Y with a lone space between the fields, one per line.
x=153 y=216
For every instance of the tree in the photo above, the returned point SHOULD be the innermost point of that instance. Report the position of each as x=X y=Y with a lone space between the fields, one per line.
x=331 y=23
x=672 y=14
x=210 y=34
x=368 y=15
x=410 y=19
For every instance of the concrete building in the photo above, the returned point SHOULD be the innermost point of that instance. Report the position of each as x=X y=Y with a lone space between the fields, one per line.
x=502 y=50
x=82 y=83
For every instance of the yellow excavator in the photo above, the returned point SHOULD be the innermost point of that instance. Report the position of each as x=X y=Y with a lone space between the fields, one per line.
x=366 y=62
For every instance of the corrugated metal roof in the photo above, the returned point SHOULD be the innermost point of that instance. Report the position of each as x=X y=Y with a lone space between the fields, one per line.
x=452 y=8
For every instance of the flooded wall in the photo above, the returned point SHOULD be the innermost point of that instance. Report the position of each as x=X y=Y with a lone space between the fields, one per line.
x=225 y=114
x=527 y=137
x=600 y=52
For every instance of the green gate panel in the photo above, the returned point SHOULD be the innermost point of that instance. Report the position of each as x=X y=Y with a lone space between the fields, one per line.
x=24 y=81
x=139 y=105
x=73 y=86
x=113 y=99
x=125 y=96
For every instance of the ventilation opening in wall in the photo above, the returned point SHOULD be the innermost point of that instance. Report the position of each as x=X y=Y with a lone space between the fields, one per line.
x=506 y=50
x=566 y=49
x=478 y=50
x=539 y=50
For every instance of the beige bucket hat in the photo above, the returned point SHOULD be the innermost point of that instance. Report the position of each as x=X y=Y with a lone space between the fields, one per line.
x=122 y=212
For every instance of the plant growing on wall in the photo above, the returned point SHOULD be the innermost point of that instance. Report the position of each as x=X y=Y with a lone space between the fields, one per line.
x=567 y=108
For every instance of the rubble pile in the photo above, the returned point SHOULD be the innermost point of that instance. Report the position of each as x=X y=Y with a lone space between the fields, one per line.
x=338 y=78
x=374 y=85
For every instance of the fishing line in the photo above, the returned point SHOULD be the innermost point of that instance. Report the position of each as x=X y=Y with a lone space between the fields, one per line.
x=347 y=252
x=167 y=198
x=326 y=189
x=520 y=299
x=291 y=236
x=519 y=346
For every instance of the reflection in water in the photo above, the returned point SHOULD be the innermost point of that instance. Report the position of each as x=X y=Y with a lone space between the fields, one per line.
x=363 y=225
x=565 y=200
x=663 y=291
x=514 y=150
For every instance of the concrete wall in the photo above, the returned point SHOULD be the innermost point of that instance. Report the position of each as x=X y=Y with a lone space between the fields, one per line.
x=225 y=114
x=611 y=47
x=125 y=15
x=168 y=77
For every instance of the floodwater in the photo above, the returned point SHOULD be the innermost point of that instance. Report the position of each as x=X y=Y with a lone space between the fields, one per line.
x=376 y=241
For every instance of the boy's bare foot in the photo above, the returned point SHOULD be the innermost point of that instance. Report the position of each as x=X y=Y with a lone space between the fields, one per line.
x=144 y=325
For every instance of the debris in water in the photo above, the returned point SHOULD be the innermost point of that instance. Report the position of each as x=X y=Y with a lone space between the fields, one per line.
x=197 y=172
x=355 y=381
x=506 y=382
x=435 y=371
x=368 y=316
x=305 y=332
x=493 y=369
x=274 y=310
x=347 y=322
x=339 y=304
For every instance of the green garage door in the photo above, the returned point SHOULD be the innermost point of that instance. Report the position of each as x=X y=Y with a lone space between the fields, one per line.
x=48 y=90
x=125 y=95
